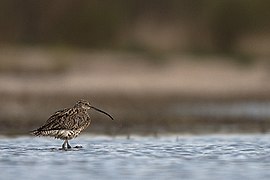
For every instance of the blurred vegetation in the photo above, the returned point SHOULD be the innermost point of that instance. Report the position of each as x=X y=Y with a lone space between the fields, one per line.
x=209 y=25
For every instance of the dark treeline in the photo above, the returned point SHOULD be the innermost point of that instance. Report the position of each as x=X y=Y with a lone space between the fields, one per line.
x=209 y=24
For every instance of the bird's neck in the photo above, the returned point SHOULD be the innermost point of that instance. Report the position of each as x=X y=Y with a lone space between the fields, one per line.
x=81 y=110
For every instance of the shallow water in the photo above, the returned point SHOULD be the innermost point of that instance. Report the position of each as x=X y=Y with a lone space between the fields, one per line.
x=251 y=109
x=166 y=157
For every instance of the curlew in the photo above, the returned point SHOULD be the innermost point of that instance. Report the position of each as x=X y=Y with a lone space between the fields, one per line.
x=68 y=123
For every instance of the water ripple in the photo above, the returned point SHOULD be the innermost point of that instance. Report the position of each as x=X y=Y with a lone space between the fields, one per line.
x=188 y=157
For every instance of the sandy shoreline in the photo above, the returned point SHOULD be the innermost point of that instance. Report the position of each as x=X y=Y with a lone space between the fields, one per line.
x=188 y=78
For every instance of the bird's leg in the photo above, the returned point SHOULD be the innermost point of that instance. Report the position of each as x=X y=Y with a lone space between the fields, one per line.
x=68 y=146
x=64 y=145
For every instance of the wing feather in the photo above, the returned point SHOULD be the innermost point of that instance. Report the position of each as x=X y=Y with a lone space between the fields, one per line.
x=66 y=119
x=58 y=120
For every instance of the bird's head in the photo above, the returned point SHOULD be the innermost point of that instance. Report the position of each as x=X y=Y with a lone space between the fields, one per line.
x=86 y=105
x=83 y=104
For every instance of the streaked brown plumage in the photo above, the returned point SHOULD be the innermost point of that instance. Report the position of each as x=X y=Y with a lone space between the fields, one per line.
x=68 y=123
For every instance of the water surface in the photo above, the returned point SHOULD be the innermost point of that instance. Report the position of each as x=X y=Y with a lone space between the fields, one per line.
x=165 y=157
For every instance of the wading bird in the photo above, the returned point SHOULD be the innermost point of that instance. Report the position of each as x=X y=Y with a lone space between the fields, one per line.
x=68 y=123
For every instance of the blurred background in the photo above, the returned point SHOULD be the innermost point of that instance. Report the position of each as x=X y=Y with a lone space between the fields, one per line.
x=175 y=66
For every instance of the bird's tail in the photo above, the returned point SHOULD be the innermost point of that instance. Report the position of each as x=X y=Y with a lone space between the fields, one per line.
x=35 y=132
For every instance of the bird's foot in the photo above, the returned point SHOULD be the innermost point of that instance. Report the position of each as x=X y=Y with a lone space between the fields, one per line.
x=68 y=146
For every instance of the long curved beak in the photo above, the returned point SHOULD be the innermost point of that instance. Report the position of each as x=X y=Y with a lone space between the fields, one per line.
x=102 y=111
